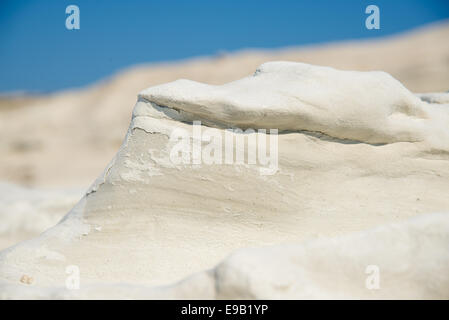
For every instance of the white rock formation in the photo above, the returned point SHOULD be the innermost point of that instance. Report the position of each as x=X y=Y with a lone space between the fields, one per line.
x=25 y=213
x=300 y=97
x=91 y=121
x=356 y=150
x=409 y=260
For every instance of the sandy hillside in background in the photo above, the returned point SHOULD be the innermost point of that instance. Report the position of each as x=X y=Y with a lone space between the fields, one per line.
x=66 y=139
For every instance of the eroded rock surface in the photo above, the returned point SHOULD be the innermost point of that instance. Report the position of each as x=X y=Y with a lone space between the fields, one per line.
x=356 y=151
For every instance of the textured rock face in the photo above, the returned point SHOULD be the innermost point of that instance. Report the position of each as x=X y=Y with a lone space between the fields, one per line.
x=355 y=151
x=298 y=97
x=408 y=260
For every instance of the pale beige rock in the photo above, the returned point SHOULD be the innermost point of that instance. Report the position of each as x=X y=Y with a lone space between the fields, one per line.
x=147 y=223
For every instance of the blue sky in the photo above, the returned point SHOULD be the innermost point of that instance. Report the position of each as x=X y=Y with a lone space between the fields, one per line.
x=38 y=53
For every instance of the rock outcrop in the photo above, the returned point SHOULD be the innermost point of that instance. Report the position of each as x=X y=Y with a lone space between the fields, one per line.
x=354 y=151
